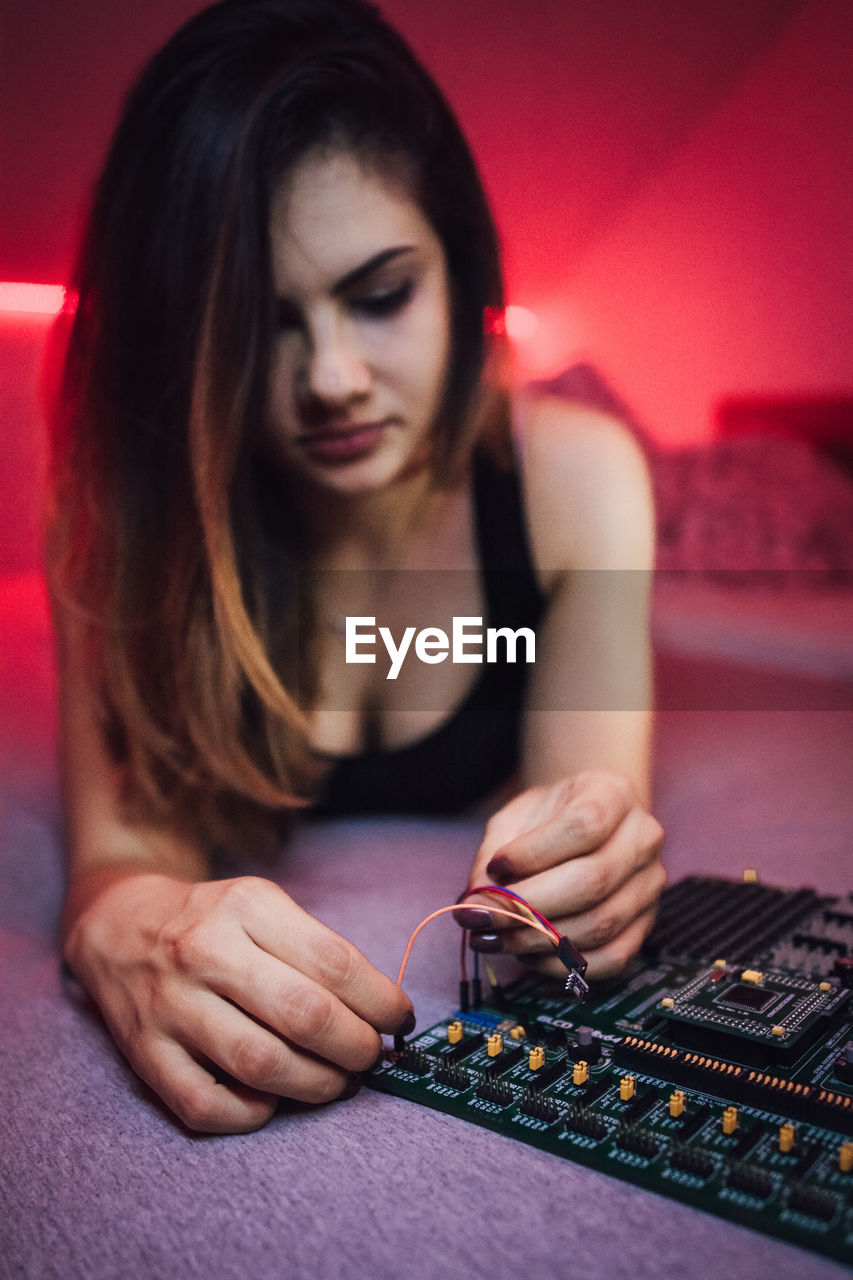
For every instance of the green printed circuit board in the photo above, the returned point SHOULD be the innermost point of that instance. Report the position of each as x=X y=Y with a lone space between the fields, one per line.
x=720 y=1072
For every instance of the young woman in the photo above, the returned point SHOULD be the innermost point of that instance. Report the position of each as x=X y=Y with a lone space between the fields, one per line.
x=282 y=410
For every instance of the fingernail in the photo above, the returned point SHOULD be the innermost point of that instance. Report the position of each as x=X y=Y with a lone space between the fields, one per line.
x=351 y=1087
x=500 y=869
x=408 y=1024
x=473 y=918
x=487 y=942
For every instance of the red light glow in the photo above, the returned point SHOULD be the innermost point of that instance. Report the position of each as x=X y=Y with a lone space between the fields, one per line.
x=518 y=323
x=32 y=299
x=521 y=324
x=18 y=298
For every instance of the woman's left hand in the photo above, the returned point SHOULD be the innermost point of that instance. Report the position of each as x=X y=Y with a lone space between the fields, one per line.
x=584 y=851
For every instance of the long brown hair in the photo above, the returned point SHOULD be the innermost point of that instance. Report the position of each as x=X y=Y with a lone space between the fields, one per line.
x=158 y=533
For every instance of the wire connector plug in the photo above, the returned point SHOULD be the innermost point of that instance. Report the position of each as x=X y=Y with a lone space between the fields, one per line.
x=576 y=964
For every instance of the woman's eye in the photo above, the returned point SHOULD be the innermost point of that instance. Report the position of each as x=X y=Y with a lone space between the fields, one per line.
x=384 y=302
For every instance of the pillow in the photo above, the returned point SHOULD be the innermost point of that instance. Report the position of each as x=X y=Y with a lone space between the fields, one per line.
x=755 y=507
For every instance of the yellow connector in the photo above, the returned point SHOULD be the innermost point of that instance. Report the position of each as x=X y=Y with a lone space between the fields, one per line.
x=729 y=1120
x=750 y=876
x=580 y=1072
x=454 y=1032
x=751 y=975
x=676 y=1104
x=537 y=1058
x=777 y=1031
x=719 y=964
x=518 y=1032
x=667 y=1002
x=824 y=986
x=627 y=1087
x=845 y=1157
x=495 y=1044
x=786 y=1138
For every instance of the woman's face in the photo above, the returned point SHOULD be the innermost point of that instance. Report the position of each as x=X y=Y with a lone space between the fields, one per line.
x=361 y=356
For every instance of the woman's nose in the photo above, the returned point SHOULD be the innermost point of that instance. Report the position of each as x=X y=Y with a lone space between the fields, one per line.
x=337 y=371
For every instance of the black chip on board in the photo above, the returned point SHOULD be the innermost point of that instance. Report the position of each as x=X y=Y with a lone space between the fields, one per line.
x=752 y=999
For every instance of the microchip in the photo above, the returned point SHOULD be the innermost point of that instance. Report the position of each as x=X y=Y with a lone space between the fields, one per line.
x=790 y=1001
x=752 y=999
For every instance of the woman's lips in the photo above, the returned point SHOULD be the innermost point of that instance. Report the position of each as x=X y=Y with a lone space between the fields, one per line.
x=343 y=444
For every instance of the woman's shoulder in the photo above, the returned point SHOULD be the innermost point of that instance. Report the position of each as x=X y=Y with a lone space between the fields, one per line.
x=586 y=485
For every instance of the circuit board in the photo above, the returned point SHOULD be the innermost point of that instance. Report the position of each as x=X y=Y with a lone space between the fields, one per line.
x=719 y=1072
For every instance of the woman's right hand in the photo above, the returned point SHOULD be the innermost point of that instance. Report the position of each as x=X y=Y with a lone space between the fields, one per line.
x=226 y=996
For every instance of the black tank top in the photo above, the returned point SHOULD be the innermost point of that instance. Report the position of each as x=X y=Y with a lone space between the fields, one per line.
x=476 y=750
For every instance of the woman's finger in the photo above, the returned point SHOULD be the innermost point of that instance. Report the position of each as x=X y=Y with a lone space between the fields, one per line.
x=204 y=1104
x=296 y=1007
x=595 y=928
x=566 y=820
x=611 y=960
x=578 y=884
x=605 y=962
x=255 y=1055
x=284 y=931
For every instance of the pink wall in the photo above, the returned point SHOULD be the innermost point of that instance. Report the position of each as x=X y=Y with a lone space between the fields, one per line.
x=672 y=182
x=731 y=271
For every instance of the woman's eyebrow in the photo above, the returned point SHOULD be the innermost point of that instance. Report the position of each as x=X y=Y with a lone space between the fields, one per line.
x=355 y=276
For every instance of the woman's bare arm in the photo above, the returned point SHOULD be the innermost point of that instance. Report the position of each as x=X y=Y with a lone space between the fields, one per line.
x=578 y=840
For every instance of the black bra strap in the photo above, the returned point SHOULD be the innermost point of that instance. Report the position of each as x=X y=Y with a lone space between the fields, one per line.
x=503 y=544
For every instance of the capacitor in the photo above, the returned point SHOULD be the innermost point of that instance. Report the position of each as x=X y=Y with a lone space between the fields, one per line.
x=676 y=1104
x=786 y=1138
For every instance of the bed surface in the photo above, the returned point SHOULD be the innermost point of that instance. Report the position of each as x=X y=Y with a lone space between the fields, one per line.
x=96 y=1180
